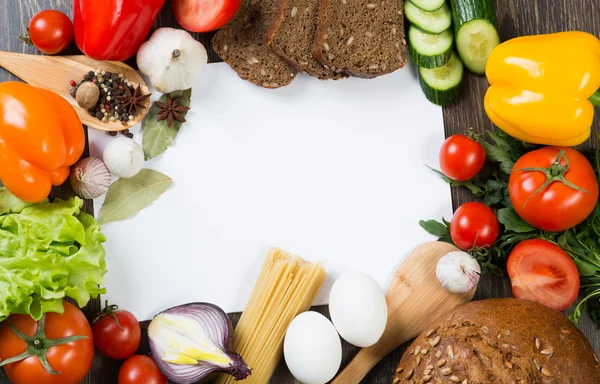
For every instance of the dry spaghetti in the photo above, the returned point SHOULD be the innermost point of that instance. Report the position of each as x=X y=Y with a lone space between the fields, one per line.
x=286 y=286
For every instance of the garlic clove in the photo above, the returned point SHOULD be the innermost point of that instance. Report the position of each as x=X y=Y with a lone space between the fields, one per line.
x=172 y=59
x=90 y=178
x=123 y=157
x=458 y=272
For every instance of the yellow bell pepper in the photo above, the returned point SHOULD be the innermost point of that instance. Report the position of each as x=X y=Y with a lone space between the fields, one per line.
x=543 y=88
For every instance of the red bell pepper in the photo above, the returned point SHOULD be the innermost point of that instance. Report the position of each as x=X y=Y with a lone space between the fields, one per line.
x=113 y=29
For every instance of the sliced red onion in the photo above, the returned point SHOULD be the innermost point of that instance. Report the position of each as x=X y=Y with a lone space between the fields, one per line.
x=191 y=342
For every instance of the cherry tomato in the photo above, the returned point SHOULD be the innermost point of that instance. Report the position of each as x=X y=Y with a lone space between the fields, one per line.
x=205 y=15
x=474 y=224
x=541 y=271
x=72 y=360
x=539 y=194
x=140 y=369
x=117 y=333
x=50 y=31
x=461 y=158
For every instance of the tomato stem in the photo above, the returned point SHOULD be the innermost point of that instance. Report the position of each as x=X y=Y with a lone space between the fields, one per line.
x=110 y=311
x=27 y=38
x=473 y=135
x=38 y=345
x=554 y=173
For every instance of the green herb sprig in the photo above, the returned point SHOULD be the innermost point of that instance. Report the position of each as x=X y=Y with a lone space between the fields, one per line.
x=581 y=242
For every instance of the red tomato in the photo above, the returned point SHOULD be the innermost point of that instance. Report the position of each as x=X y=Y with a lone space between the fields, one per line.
x=117 y=334
x=461 y=158
x=71 y=359
x=50 y=31
x=205 y=15
x=474 y=225
x=556 y=206
x=541 y=271
x=140 y=369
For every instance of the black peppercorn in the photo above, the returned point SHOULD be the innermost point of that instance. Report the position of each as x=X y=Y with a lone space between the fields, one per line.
x=130 y=135
x=91 y=74
x=99 y=115
x=112 y=133
x=86 y=77
x=73 y=92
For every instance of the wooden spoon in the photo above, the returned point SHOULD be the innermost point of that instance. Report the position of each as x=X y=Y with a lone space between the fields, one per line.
x=56 y=72
x=415 y=298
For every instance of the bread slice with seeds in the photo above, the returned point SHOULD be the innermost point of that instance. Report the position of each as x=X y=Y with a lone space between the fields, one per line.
x=292 y=34
x=241 y=45
x=364 y=38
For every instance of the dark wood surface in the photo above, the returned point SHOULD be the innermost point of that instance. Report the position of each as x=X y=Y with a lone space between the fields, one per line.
x=515 y=18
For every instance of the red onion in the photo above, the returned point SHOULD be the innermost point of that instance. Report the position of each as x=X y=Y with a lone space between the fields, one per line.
x=191 y=342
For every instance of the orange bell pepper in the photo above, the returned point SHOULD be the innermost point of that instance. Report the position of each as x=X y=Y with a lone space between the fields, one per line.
x=543 y=88
x=41 y=136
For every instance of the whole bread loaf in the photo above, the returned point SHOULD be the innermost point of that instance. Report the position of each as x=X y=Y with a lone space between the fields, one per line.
x=500 y=341
x=241 y=45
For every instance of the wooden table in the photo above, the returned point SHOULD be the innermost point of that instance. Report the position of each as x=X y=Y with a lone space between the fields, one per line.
x=515 y=17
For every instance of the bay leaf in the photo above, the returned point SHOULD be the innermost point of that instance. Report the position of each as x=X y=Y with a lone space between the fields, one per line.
x=157 y=136
x=126 y=197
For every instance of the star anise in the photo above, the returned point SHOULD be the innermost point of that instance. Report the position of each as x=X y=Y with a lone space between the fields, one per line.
x=133 y=101
x=171 y=110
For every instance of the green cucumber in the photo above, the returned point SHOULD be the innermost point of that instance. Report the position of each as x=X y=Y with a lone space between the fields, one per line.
x=443 y=85
x=429 y=5
x=432 y=22
x=429 y=50
x=475 y=32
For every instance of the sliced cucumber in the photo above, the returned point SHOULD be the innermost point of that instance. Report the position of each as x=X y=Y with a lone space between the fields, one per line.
x=475 y=31
x=429 y=5
x=433 y=22
x=430 y=50
x=443 y=85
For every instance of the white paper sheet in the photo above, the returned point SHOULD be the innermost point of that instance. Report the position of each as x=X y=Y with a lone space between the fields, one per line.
x=331 y=171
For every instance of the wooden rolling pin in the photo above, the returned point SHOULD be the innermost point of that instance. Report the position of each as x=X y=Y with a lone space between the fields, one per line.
x=415 y=298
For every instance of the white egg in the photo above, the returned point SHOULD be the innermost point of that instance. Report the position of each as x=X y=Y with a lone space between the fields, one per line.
x=312 y=348
x=358 y=308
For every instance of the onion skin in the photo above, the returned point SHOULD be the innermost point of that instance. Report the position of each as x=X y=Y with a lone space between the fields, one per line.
x=218 y=330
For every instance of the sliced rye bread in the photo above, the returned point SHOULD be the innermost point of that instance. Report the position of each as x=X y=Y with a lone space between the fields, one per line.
x=241 y=45
x=292 y=34
x=364 y=38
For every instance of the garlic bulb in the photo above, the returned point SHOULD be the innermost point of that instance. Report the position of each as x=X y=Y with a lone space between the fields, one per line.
x=124 y=157
x=90 y=178
x=172 y=59
x=458 y=272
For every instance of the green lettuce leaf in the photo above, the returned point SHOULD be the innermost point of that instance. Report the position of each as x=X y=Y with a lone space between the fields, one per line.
x=10 y=203
x=48 y=252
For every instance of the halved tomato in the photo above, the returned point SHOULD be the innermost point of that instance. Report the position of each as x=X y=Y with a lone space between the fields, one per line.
x=542 y=271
